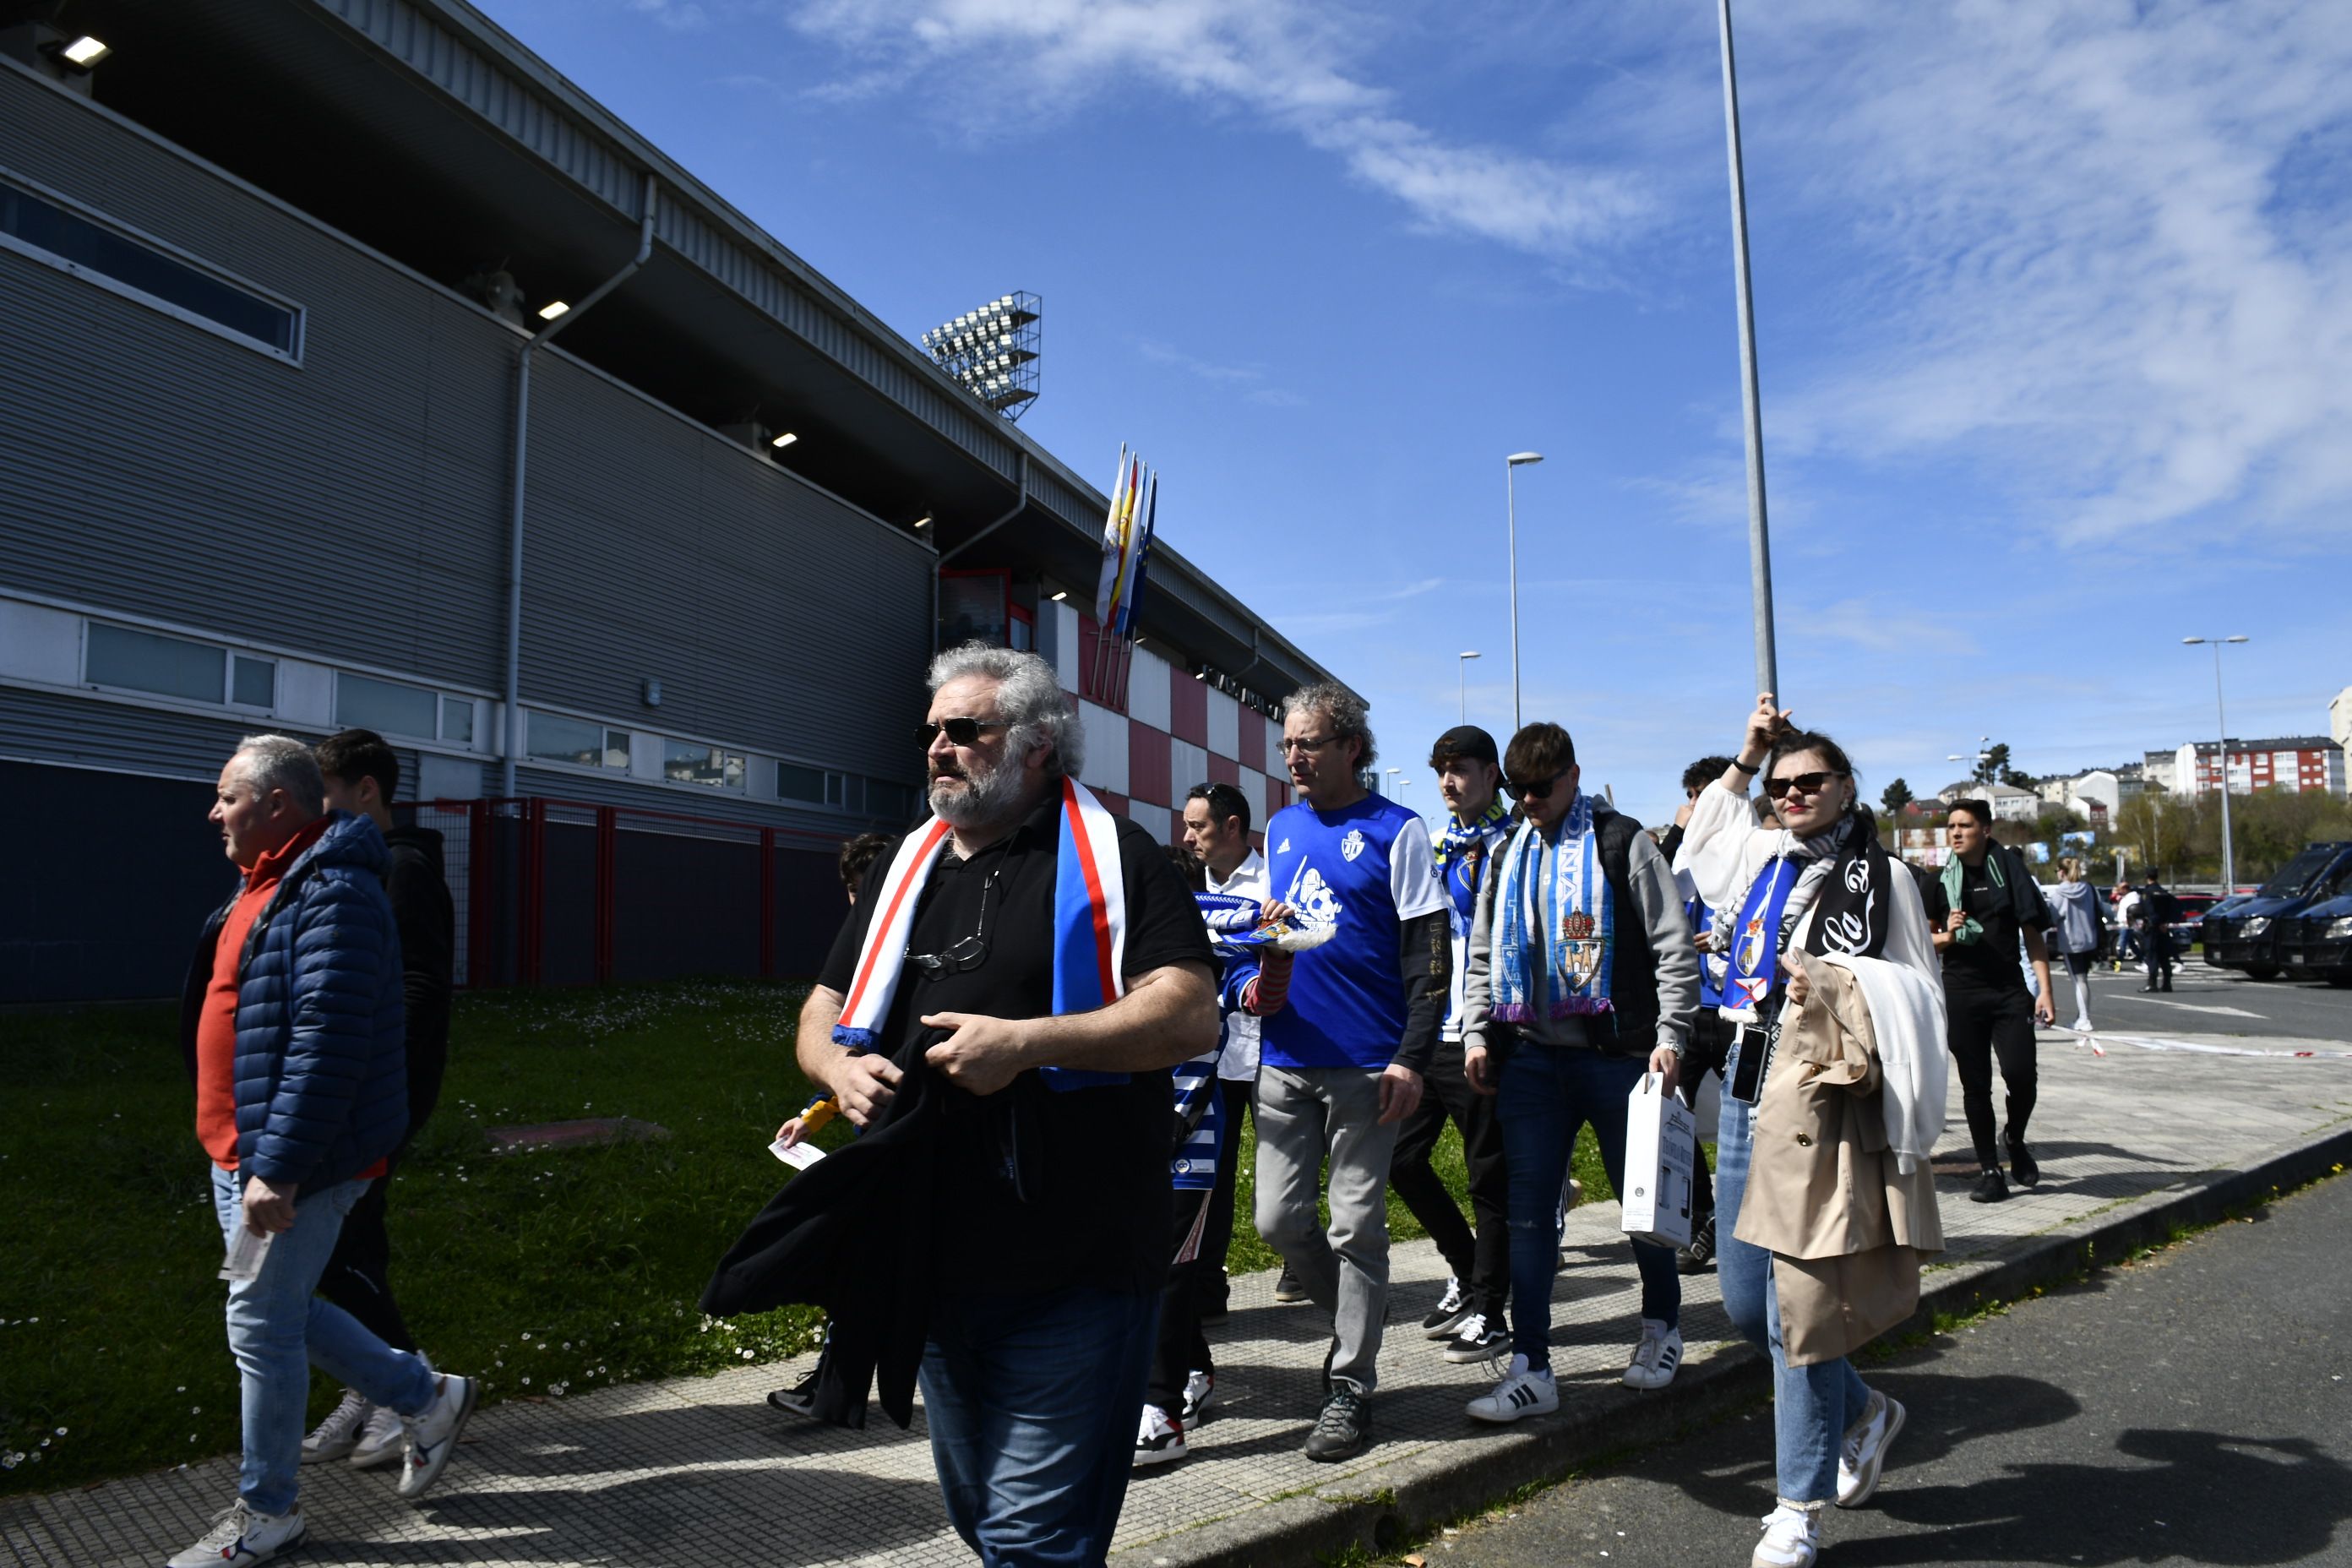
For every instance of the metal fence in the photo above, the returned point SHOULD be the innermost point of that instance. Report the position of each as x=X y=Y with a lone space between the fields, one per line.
x=559 y=893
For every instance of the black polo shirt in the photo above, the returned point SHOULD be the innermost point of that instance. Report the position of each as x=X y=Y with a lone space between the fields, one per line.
x=1990 y=962
x=1038 y=1188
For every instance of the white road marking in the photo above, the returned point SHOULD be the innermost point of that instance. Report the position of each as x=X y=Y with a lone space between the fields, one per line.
x=2193 y=1007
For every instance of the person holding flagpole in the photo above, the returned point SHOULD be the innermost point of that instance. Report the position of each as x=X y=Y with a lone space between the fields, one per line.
x=998 y=1016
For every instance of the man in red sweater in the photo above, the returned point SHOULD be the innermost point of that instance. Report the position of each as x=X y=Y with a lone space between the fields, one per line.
x=292 y=1024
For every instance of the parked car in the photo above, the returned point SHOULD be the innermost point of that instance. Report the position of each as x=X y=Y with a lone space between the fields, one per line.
x=2248 y=937
x=2319 y=942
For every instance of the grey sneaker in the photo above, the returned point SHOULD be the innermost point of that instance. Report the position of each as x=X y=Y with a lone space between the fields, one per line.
x=383 y=1440
x=339 y=1434
x=240 y=1535
x=433 y=1434
x=1864 y=1455
x=1344 y=1428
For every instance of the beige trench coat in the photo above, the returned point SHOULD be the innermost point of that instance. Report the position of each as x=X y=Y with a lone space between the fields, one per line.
x=1845 y=1227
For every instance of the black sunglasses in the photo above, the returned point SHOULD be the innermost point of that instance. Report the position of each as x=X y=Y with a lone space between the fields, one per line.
x=960 y=731
x=1534 y=789
x=1803 y=784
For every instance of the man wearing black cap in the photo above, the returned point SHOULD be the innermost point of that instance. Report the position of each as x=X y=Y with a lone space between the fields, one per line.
x=1469 y=1316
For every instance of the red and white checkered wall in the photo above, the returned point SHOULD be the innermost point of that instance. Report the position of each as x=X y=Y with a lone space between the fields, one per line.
x=1176 y=733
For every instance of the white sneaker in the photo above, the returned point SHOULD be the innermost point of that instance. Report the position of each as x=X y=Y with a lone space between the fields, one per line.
x=339 y=1434
x=433 y=1434
x=382 y=1441
x=1157 y=1440
x=1793 y=1537
x=1200 y=1387
x=1865 y=1453
x=240 y=1535
x=1656 y=1358
x=1522 y=1392
x=2083 y=1026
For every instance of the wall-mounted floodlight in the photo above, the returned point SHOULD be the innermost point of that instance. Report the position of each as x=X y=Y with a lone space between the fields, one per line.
x=1062 y=595
x=924 y=521
x=554 y=309
x=84 y=52
x=783 y=440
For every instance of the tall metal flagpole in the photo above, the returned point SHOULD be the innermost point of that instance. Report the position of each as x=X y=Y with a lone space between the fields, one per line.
x=1759 y=548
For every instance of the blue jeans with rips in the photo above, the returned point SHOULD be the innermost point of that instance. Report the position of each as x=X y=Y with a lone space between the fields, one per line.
x=1812 y=1405
x=1548 y=1093
x=278 y=1329
x=1033 y=1401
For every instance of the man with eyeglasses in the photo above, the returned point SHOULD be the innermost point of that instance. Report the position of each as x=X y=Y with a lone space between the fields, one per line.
x=1046 y=1128
x=1340 y=1066
x=1582 y=977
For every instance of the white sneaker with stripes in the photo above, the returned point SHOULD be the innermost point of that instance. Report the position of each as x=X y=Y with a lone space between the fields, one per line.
x=1522 y=1392
x=1657 y=1357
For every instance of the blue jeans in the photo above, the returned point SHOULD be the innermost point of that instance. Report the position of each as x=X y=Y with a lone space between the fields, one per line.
x=1547 y=1094
x=1812 y=1405
x=1031 y=1403
x=277 y=1329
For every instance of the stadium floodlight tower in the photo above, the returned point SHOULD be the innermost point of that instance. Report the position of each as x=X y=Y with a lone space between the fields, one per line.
x=992 y=351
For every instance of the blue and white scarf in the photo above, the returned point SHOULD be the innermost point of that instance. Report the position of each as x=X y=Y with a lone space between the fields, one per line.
x=1572 y=910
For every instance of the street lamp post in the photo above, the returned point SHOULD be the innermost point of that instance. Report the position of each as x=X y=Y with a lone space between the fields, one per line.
x=1759 y=548
x=1462 y=673
x=1511 y=515
x=2229 y=860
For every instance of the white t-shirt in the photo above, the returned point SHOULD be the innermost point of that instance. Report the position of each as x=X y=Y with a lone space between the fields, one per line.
x=1248 y=881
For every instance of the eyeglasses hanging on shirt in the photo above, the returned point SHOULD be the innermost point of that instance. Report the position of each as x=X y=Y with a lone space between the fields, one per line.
x=969 y=953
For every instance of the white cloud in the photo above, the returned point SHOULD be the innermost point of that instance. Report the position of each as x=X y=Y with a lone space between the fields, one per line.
x=2100 y=249
x=1292 y=63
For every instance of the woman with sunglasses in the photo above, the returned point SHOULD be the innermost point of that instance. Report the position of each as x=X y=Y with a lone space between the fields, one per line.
x=1818 y=883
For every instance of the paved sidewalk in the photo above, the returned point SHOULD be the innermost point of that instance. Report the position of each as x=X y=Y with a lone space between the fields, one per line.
x=699 y=1471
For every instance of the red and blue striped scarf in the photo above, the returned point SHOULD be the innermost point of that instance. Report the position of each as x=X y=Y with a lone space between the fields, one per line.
x=1089 y=927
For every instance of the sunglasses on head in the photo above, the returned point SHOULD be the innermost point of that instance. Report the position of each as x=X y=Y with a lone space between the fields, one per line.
x=1534 y=789
x=959 y=731
x=1800 y=783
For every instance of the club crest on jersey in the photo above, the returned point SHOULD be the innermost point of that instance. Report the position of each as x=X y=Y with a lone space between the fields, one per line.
x=1354 y=845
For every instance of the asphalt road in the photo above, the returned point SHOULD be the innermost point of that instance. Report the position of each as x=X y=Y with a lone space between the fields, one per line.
x=2195 y=1407
x=2215 y=1002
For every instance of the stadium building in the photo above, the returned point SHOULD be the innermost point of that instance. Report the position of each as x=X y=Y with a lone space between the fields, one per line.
x=357 y=369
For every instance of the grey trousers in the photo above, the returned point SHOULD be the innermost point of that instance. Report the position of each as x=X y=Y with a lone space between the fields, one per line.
x=1305 y=1116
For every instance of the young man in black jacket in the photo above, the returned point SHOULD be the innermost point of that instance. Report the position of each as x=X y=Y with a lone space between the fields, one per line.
x=362 y=775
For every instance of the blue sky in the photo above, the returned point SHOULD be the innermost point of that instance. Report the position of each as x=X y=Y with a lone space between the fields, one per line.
x=2054 y=306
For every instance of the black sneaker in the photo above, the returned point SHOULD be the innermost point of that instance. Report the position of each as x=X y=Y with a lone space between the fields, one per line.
x=1990 y=1187
x=1287 y=1289
x=2022 y=1165
x=1451 y=1309
x=1482 y=1338
x=800 y=1399
x=1344 y=1428
x=1694 y=1258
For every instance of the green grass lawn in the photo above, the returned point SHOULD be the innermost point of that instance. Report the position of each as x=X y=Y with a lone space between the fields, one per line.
x=549 y=1274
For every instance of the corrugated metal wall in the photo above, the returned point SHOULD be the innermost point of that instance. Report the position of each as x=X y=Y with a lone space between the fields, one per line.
x=357 y=507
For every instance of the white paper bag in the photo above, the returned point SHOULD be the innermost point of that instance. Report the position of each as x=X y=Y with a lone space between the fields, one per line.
x=1659 y=1151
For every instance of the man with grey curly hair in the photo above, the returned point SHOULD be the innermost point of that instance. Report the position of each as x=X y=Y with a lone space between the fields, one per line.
x=1341 y=1065
x=1047 y=1130
x=1033 y=710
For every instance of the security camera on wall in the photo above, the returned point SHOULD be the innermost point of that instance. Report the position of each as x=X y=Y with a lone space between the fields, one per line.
x=495 y=288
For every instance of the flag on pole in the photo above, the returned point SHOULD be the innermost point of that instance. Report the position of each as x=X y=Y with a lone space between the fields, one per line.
x=1119 y=538
x=1131 y=611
